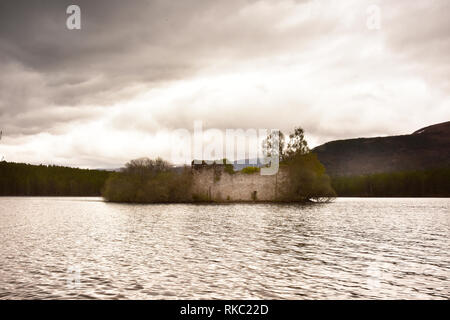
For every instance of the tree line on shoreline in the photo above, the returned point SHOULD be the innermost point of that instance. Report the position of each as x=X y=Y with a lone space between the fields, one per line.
x=19 y=179
x=418 y=183
x=155 y=180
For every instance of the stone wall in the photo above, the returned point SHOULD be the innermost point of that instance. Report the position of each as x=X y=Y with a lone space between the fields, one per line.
x=215 y=184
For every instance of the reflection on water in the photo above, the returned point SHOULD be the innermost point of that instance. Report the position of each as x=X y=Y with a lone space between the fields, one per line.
x=352 y=248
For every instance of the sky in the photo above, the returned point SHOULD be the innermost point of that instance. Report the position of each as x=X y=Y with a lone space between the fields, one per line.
x=136 y=71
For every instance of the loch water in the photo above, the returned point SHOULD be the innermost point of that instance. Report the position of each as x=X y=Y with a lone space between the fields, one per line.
x=353 y=248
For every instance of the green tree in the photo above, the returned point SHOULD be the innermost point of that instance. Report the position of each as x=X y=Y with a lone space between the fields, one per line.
x=307 y=177
x=149 y=181
x=297 y=143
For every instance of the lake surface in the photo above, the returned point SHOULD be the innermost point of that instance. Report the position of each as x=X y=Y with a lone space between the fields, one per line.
x=81 y=248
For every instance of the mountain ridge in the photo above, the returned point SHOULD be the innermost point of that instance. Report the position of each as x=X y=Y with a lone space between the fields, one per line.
x=426 y=148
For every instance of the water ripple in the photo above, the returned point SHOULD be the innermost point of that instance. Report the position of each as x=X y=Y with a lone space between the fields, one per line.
x=77 y=248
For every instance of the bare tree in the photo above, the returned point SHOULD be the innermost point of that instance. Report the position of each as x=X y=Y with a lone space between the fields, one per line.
x=1 y=134
x=273 y=145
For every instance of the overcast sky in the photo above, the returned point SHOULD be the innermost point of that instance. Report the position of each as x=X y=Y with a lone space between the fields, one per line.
x=114 y=90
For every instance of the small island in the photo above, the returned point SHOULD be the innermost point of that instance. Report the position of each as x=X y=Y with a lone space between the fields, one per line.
x=299 y=178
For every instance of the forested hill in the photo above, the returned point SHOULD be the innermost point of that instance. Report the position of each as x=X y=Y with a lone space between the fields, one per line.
x=19 y=179
x=425 y=149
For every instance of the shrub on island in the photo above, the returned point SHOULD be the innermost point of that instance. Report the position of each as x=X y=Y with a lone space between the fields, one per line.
x=149 y=181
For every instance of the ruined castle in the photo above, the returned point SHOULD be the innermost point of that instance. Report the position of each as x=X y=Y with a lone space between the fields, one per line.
x=215 y=183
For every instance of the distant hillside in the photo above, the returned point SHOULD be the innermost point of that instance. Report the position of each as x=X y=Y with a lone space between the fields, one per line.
x=424 y=149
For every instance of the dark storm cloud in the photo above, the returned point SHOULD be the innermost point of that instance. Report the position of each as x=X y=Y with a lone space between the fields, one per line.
x=284 y=63
x=118 y=45
x=136 y=41
x=121 y=45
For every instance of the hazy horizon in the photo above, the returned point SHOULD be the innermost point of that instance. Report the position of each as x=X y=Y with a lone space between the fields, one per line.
x=115 y=89
x=236 y=161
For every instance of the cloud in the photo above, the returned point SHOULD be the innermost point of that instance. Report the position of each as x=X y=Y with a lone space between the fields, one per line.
x=137 y=70
x=419 y=34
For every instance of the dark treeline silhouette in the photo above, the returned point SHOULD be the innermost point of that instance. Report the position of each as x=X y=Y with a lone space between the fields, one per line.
x=426 y=183
x=19 y=179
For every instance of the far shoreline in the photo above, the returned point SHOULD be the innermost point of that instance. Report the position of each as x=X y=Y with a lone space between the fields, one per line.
x=226 y=202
